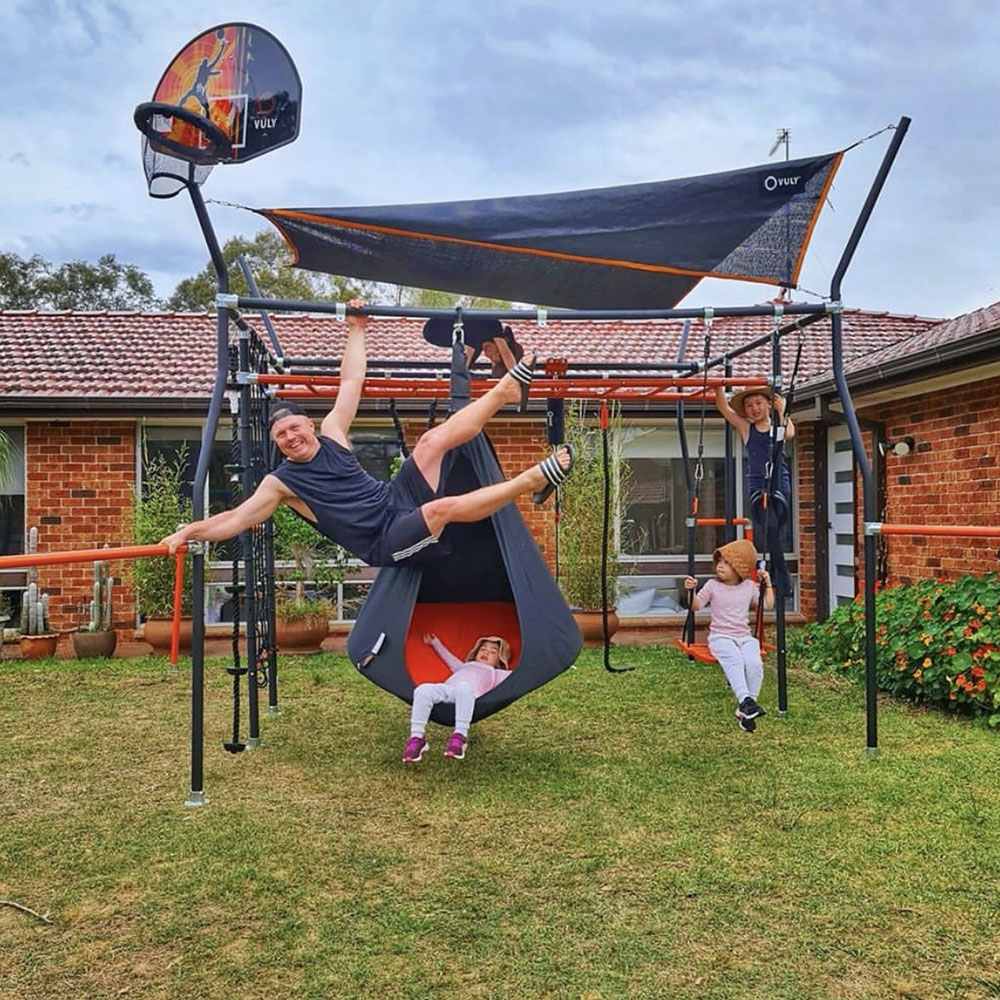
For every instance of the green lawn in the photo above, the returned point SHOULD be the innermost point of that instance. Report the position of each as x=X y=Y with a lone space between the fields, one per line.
x=606 y=837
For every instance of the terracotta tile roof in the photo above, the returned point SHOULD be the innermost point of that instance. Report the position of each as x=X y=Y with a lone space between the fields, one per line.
x=949 y=331
x=91 y=356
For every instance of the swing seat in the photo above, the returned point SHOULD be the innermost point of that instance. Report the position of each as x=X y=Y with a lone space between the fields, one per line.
x=699 y=650
x=696 y=651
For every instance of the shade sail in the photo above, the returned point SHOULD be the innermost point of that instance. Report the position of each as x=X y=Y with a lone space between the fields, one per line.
x=635 y=246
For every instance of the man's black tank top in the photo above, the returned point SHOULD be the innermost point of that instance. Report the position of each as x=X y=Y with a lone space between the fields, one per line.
x=349 y=505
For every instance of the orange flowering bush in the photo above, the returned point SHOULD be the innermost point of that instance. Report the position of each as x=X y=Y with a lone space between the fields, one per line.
x=935 y=642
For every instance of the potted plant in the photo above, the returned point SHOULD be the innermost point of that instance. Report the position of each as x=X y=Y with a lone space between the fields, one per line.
x=98 y=638
x=155 y=512
x=302 y=618
x=581 y=520
x=37 y=639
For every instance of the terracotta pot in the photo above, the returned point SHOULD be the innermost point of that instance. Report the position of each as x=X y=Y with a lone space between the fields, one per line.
x=302 y=636
x=156 y=631
x=591 y=624
x=38 y=647
x=90 y=645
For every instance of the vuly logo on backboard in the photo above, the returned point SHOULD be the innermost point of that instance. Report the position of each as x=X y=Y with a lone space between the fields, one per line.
x=264 y=113
x=781 y=182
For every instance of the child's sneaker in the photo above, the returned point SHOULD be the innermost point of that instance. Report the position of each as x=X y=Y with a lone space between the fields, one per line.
x=456 y=746
x=749 y=709
x=415 y=750
x=747 y=725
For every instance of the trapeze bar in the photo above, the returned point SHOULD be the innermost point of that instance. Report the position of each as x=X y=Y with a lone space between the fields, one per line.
x=387 y=312
x=86 y=555
x=718 y=522
x=955 y=531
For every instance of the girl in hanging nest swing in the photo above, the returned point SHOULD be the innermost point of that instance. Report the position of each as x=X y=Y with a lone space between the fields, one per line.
x=750 y=413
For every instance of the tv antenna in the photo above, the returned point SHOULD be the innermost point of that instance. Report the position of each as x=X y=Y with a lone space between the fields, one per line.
x=783 y=138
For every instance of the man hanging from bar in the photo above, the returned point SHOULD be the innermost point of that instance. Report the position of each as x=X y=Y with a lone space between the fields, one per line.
x=381 y=523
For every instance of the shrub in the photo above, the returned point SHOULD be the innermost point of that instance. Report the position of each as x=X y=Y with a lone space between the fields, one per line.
x=936 y=642
x=153 y=514
x=581 y=516
x=316 y=559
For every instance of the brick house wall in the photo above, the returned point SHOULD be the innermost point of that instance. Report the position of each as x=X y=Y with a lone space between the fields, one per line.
x=79 y=476
x=950 y=478
x=805 y=512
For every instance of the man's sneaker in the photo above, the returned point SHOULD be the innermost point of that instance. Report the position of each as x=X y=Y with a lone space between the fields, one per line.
x=456 y=746
x=415 y=750
x=748 y=725
x=749 y=709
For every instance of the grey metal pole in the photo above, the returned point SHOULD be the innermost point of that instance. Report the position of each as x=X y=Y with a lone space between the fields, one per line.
x=860 y=453
x=196 y=797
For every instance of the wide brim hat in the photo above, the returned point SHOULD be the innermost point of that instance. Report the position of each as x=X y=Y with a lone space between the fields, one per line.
x=738 y=399
x=504 y=655
x=741 y=555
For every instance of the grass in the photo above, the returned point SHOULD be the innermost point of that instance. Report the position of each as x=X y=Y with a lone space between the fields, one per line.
x=607 y=837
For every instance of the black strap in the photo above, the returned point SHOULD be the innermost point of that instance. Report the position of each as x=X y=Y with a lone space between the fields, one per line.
x=400 y=437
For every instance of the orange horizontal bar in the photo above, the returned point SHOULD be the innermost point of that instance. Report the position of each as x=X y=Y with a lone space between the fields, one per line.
x=719 y=521
x=660 y=395
x=84 y=555
x=690 y=382
x=961 y=531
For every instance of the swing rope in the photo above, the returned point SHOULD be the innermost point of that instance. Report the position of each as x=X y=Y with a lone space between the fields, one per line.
x=605 y=540
x=236 y=670
x=688 y=632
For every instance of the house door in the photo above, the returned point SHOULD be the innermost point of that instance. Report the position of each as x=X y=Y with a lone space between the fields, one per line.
x=842 y=524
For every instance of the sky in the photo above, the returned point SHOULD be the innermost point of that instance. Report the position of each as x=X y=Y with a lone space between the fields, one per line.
x=440 y=100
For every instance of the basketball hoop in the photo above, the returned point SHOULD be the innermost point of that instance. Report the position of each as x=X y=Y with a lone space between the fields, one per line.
x=218 y=145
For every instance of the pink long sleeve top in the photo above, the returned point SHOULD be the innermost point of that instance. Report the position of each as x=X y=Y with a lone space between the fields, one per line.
x=730 y=604
x=478 y=676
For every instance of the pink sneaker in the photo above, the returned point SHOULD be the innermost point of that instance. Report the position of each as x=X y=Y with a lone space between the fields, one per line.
x=456 y=746
x=415 y=750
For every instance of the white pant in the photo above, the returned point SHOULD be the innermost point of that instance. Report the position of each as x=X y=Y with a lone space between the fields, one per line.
x=426 y=696
x=741 y=663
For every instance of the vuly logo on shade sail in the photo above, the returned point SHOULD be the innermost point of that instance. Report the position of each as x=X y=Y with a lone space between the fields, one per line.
x=777 y=182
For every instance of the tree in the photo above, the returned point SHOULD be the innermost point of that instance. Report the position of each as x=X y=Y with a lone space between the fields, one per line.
x=431 y=299
x=268 y=257
x=19 y=280
x=34 y=283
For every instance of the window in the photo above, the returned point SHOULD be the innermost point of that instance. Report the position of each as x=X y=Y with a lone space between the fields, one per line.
x=656 y=508
x=12 y=523
x=168 y=442
x=12 y=496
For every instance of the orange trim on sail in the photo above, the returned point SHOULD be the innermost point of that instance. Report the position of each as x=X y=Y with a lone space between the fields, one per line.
x=821 y=201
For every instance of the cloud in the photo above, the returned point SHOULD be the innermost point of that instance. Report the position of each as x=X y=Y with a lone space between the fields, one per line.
x=455 y=100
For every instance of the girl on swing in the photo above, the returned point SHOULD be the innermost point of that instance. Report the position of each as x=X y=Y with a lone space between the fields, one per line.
x=749 y=412
x=730 y=594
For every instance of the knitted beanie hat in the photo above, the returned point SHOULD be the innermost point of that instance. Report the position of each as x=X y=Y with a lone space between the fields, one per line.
x=741 y=555
x=504 y=646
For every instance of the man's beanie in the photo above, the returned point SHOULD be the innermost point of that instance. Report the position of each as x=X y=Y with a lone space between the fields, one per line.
x=285 y=408
x=741 y=555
